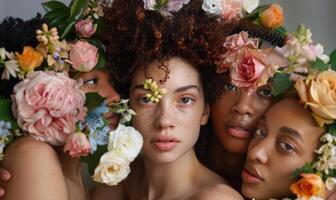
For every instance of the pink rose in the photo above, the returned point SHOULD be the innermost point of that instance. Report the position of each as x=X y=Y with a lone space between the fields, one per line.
x=48 y=105
x=248 y=68
x=77 y=145
x=86 y=28
x=83 y=56
x=237 y=41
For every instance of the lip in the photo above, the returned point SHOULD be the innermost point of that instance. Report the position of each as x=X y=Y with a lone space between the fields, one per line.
x=164 y=143
x=238 y=131
x=251 y=175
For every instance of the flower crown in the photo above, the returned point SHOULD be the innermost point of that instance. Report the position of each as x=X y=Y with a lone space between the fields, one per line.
x=48 y=104
x=313 y=74
x=165 y=7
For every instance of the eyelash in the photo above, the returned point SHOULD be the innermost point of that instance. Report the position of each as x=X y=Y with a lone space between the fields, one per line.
x=230 y=87
x=259 y=133
x=283 y=146
x=191 y=100
x=144 y=100
x=88 y=82
x=262 y=90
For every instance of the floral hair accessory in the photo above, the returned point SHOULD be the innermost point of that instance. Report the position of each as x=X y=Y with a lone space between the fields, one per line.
x=123 y=109
x=165 y=7
x=156 y=93
x=230 y=10
x=248 y=65
x=10 y=65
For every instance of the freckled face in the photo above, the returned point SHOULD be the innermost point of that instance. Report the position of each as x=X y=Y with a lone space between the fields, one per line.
x=171 y=127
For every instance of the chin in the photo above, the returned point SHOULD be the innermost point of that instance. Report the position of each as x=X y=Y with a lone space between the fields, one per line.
x=234 y=145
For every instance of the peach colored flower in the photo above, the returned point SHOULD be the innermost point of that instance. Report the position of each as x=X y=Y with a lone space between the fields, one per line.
x=237 y=41
x=231 y=10
x=319 y=93
x=86 y=28
x=29 y=59
x=83 y=56
x=77 y=144
x=309 y=185
x=272 y=17
x=48 y=105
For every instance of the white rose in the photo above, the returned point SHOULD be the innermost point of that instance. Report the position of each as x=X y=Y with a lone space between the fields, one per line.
x=113 y=167
x=149 y=4
x=127 y=140
x=212 y=6
x=250 y=5
x=327 y=138
x=332 y=163
x=330 y=183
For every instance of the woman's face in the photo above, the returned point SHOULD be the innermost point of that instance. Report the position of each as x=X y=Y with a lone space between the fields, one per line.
x=285 y=140
x=235 y=114
x=171 y=127
x=99 y=82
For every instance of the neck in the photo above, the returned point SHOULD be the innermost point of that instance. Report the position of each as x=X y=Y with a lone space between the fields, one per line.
x=164 y=179
x=227 y=164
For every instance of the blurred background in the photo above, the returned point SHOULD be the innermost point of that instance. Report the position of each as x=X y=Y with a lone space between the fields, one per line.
x=319 y=16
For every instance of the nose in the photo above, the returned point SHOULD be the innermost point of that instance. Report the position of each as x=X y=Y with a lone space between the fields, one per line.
x=257 y=151
x=109 y=93
x=243 y=105
x=164 y=116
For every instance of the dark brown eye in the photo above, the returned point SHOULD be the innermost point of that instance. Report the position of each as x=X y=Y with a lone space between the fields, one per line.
x=265 y=92
x=230 y=87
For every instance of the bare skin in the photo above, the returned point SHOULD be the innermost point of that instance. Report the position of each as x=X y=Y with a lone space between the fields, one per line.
x=53 y=173
x=173 y=173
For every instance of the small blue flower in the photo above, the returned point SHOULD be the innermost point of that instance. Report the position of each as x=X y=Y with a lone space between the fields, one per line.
x=98 y=137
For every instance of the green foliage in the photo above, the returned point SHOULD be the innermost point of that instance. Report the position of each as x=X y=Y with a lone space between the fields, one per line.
x=333 y=60
x=76 y=7
x=281 y=84
x=68 y=29
x=319 y=65
x=307 y=168
x=92 y=160
x=52 y=5
x=332 y=129
x=6 y=112
x=93 y=100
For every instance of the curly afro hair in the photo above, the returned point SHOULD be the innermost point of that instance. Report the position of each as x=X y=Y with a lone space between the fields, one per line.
x=135 y=37
x=16 y=33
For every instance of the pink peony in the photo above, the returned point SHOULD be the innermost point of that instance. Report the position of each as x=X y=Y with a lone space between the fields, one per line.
x=86 y=28
x=231 y=10
x=237 y=41
x=77 y=145
x=83 y=56
x=248 y=68
x=48 y=105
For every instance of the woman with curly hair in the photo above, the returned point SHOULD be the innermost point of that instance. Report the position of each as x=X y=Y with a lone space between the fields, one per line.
x=165 y=86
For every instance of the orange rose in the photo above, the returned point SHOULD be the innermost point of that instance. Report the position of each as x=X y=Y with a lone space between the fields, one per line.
x=29 y=59
x=272 y=17
x=309 y=185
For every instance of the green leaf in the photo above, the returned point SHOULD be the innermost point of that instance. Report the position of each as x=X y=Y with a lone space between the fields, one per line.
x=93 y=159
x=97 y=43
x=55 y=13
x=319 y=65
x=52 y=5
x=58 y=20
x=75 y=8
x=281 y=30
x=68 y=29
x=307 y=168
x=6 y=112
x=332 y=129
x=101 y=61
x=93 y=100
x=333 y=60
x=281 y=84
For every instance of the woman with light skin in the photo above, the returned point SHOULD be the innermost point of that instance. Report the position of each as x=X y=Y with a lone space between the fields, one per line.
x=60 y=174
x=167 y=53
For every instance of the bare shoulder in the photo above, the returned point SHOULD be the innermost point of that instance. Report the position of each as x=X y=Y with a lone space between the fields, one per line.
x=36 y=171
x=217 y=192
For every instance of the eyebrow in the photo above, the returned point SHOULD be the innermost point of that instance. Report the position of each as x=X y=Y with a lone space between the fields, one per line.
x=178 y=90
x=292 y=132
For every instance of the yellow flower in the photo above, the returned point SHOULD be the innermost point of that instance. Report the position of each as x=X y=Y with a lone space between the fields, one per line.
x=29 y=59
x=319 y=93
x=309 y=185
x=272 y=17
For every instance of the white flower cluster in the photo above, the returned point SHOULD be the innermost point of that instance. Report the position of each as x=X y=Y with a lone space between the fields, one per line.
x=166 y=8
x=300 y=50
x=10 y=64
x=123 y=109
x=218 y=7
x=124 y=145
x=327 y=158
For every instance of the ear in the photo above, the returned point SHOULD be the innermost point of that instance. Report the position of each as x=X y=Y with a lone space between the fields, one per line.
x=206 y=113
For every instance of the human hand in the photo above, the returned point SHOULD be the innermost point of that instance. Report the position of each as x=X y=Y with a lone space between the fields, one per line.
x=5 y=176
